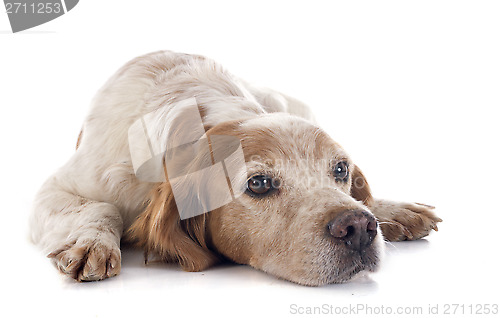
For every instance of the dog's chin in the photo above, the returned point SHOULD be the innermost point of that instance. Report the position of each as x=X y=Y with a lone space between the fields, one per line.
x=346 y=275
x=357 y=264
x=352 y=273
x=354 y=265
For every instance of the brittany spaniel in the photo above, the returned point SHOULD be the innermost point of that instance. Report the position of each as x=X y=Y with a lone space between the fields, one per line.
x=196 y=166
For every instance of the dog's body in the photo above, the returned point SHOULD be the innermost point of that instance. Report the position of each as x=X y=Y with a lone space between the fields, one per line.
x=305 y=233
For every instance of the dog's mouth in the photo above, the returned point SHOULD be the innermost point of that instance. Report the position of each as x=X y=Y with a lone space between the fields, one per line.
x=352 y=265
x=350 y=272
x=355 y=263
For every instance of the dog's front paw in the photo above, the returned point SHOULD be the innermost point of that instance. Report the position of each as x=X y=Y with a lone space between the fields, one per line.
x=405 y=221
x=88 y=259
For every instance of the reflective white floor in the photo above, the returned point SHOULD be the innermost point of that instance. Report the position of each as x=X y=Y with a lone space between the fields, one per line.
x=445 y=268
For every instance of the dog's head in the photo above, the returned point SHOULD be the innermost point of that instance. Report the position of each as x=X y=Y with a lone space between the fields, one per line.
x=299 y=210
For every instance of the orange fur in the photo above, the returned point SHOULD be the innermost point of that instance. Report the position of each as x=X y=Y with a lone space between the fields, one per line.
x=360 y=190
x=160 y=231
x=79 y=140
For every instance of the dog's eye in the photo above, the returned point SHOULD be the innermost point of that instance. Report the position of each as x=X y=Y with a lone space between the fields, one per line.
x=259 y=184
x=341 y=171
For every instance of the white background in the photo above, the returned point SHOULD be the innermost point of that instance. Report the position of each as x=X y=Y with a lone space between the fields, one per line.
x=410 y=89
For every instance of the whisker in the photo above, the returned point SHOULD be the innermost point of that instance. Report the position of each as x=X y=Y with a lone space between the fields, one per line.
x=385 y=222
x=390 y=243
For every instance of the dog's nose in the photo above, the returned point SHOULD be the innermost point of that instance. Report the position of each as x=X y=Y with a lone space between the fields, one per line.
x=356 y=229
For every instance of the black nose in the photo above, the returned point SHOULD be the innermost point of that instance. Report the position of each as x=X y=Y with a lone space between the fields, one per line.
x=356 y=229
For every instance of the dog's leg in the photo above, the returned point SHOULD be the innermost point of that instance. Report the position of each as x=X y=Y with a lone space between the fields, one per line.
x=81 y=236
x=401 y=221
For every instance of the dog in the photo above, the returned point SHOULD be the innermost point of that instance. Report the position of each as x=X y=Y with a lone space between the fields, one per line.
x=299 y=208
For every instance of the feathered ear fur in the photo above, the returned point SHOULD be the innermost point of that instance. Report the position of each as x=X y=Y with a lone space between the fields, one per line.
x=161 y=232
x=360 y=190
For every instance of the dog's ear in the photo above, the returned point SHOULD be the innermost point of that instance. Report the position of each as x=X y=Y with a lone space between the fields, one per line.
x=161 y=232
x=360 y=190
